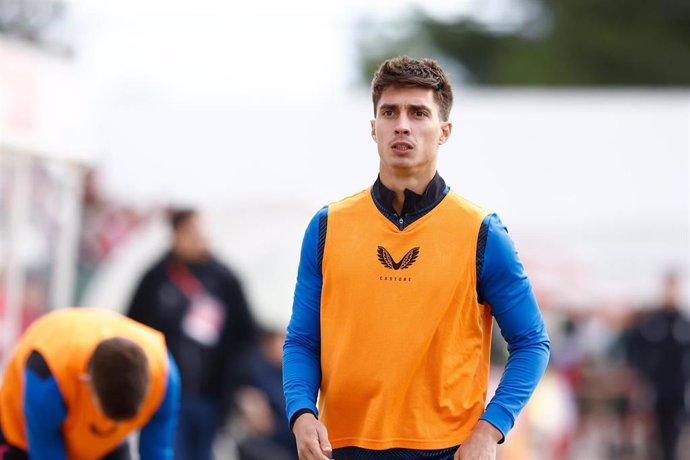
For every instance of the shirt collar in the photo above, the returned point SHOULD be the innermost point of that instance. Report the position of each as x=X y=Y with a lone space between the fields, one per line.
x=414 y=202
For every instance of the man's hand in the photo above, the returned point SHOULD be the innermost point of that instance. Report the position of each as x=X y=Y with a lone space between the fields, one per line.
x=480 y=444
x=312 y=438
x=256 y=411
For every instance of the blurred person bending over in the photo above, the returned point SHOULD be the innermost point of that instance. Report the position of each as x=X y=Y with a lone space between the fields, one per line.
x=396 y=290
x=80 y=381
x=198 y=303
x=659 y=350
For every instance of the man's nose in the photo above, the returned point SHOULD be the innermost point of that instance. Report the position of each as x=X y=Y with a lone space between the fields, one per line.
x=403 y=126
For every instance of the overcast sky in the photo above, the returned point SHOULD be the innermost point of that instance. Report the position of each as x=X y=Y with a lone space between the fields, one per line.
x=229 y=50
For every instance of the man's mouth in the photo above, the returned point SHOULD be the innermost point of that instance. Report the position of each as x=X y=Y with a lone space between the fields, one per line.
x=401 y=146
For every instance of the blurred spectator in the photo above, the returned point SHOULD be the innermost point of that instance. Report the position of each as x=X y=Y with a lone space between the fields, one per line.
x=659 y=350
x=268 y=434
x=198 y=303
x=33 y=304
x=34 y=299
x=105 y=225
x=568 y=353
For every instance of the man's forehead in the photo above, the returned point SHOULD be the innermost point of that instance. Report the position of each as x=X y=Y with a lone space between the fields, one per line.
x=402 y=96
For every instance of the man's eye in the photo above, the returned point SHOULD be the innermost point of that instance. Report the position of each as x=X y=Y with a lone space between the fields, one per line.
x=421 y=113
x=387 y=113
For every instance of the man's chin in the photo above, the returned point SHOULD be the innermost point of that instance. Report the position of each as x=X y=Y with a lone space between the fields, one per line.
x=400 y=161
x=404 y=164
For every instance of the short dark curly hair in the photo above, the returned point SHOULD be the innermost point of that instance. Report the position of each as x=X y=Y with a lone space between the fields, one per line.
x=405 y=72
x=119 y=374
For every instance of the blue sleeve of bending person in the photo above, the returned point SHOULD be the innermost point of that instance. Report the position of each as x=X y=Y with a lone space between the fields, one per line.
x=44 y=411
x=157 y=438
x=302 y=349
x=505 y=287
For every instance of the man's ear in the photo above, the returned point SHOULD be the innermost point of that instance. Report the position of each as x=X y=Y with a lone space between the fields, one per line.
x=373 y=130
x=446 y=129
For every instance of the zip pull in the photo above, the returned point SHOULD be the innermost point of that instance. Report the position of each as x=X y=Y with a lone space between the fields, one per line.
x=401 y=222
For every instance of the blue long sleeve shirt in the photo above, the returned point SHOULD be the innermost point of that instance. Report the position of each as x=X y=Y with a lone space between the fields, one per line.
x=501 y=283
x=45 y=411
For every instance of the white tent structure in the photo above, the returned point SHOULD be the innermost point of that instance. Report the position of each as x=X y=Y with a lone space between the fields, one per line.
x=45 y=145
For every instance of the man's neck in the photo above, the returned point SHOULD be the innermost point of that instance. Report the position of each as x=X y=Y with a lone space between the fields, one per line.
x=398 y=183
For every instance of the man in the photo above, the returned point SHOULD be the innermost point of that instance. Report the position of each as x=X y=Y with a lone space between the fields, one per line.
x=80 y=381
x=394 y=298
x=658 y=349
x=198 y=304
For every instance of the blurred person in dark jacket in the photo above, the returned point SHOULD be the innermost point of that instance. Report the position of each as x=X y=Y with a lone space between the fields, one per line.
x=199 y=305
x=659 y=350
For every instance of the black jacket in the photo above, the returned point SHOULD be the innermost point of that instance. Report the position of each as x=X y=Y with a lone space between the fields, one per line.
x=210 y=371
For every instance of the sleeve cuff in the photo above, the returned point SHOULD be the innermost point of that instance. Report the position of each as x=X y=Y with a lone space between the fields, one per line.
x=499 y=418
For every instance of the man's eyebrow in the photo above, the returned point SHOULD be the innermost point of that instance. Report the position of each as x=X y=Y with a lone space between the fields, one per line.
x=422 y=107
x=389 y=107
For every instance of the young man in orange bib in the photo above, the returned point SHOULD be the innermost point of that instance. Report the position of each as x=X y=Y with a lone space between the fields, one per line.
x=80 y=381
x=396 y=291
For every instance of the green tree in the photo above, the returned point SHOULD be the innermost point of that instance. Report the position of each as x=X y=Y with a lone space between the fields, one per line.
x=566 y=43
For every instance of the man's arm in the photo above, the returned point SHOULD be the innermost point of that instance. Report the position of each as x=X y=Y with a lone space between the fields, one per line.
x=158 y=436
x=44 y=410
x=505 y=287
x=302 y=349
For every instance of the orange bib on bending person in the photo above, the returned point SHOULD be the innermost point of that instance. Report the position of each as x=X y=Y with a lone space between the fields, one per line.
x=404 y=342
x=66 y=339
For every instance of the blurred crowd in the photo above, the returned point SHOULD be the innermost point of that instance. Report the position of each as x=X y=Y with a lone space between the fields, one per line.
x=618 y=385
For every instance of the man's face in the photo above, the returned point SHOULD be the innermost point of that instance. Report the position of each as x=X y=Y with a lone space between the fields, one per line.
x=408 y=130
x=190 y=241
